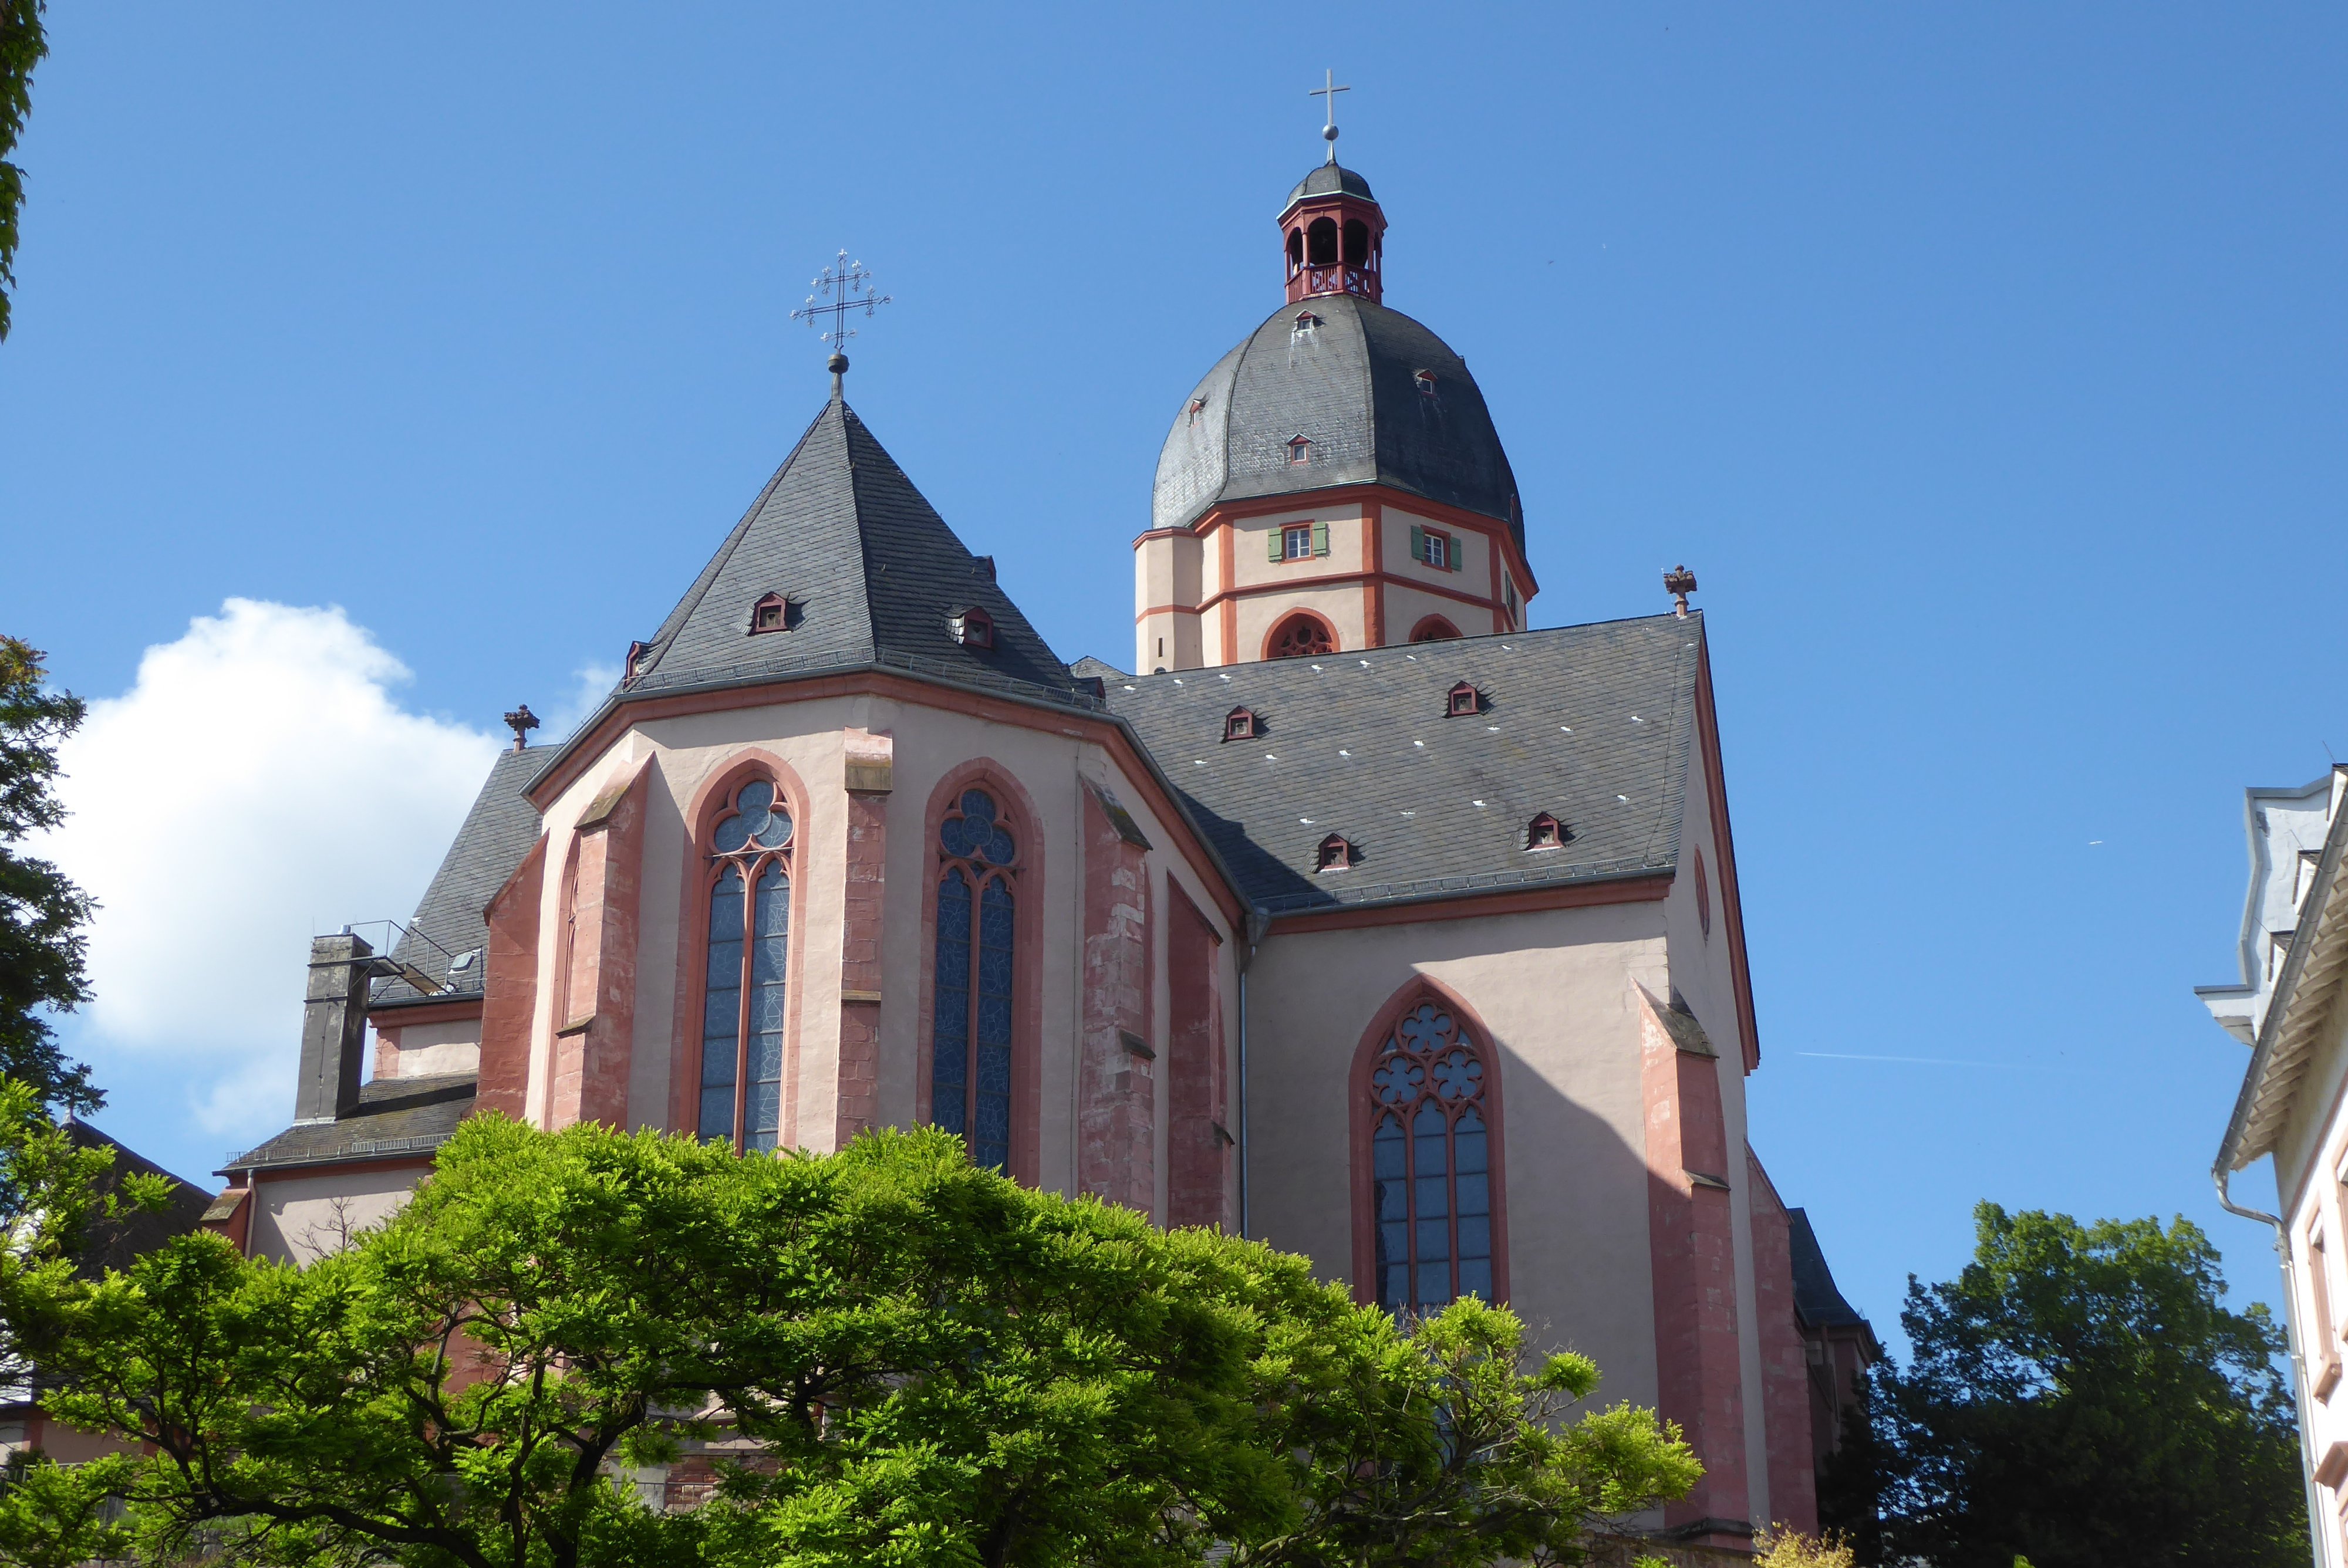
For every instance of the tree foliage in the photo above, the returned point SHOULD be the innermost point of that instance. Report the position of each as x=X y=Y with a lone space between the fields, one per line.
x=901 y=1361
x=2081 y=1395
x=22 y=47
x=42 y=913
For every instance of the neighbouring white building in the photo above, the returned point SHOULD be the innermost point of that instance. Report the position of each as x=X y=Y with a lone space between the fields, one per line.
x=2295 y=943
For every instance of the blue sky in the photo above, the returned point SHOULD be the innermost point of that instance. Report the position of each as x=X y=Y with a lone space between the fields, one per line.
x=1985 y=362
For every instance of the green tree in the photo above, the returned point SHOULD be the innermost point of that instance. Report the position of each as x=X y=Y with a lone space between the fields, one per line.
x=42 y=913
x=2082 y=1395
x=905 y=1362
x=22 y=47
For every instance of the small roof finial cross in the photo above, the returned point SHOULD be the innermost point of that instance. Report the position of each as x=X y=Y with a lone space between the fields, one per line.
x=1328 y=90
x=845 y=286
x=522 y=720
x=1679 y=582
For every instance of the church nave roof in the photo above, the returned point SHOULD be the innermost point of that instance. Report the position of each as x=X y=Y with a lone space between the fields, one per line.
x=1590 y=723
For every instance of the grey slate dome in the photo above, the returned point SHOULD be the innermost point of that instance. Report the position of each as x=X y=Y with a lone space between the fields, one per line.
x=1380 y=398
x=1329 y=180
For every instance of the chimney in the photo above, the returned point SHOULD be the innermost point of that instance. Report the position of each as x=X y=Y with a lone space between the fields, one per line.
x=334 y=1029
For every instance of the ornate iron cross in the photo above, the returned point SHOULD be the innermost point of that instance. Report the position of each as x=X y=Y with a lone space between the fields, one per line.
x=847 y=286
x=1329 y=89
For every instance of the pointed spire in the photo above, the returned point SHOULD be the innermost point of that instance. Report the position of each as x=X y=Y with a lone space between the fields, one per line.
x=872 y=575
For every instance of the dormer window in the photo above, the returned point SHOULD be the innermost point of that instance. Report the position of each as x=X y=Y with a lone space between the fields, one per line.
x=1335 y=854
x=1426 y=380
x=1306 y=320
x=1465 y=701
x=973 y=628
x=1241 y=724
x=1545 y=832
x=775 y=612
x=1198 y=406
x=1300 y=449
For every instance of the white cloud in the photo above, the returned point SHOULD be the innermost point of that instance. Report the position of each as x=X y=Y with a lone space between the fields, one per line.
x=590 y=683
x=258 y=785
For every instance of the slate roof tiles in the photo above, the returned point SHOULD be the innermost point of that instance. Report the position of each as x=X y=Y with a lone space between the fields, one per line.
x=1590 y=723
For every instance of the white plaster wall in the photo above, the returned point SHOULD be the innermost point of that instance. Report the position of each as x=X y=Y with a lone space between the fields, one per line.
x=1553 y=988
x=294 y=1217
x=420 y=1049
x=2311 y=1162
x=1406 y=607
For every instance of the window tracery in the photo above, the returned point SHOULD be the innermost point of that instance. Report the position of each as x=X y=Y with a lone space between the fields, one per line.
x=1302 y=635
x=746 y=970
x=1430 y=1163
x=977 y=930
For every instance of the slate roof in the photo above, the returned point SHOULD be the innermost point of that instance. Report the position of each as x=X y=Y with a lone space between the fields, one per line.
x=872 y=571
x=1329 y=180
x=1590 y=723
x=396 y=1117
x=114 y=1244
x=1817 y=1300
x=1350 y=386
x=497 y=833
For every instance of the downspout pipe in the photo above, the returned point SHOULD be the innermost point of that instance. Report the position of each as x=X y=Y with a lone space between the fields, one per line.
x=2220 y=1175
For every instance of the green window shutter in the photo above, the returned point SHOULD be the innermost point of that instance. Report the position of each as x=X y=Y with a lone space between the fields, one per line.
x=1320 y=538
x=1417 y=543
x=1452 y=555
x=1277 y=536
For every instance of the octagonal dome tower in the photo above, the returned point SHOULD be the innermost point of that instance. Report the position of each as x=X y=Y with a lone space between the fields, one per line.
x=1336 y=481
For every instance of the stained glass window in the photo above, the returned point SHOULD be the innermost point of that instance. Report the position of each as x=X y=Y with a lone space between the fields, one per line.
x=748 y=967
x=970 y=1040
x=1430 y=1163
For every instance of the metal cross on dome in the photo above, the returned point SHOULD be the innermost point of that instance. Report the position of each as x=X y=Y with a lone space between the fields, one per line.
x=1329 y=89
x=848 y=287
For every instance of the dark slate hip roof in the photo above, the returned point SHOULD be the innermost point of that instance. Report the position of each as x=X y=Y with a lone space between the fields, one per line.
x=497 y=833
x=1818 y=1301
x=397 y=1119
x=1590 y=723
x=873 y=574
x=1329 y=180
x=1350 y=386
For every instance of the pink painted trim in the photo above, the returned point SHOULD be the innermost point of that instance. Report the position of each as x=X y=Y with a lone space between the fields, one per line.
x=1361 y=1101
x=509 y=988
x=712 y=800
x=1732 y=903
x=1691 y=1238
x=1111 y=735
x=1027 y=966
x=1785 y=1359
x=1198 y=1186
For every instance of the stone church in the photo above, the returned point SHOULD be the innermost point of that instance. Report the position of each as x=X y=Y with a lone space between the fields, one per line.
x=1360 y=917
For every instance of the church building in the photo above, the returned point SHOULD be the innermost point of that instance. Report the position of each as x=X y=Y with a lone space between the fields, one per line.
x=1359 y=918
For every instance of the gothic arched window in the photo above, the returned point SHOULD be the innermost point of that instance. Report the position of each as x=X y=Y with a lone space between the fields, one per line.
x=747 y=966
x=1431 y=1166
x=1302 y=635
x=971 y=1035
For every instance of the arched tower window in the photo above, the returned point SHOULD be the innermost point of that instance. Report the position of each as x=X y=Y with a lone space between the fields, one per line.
x=746 y=970
x=1321 y=241
x=1357 y=243
x=1433 y=1118
x=977 y=969
x=1432 y=628
x=1296 y=249
x=1302 y=635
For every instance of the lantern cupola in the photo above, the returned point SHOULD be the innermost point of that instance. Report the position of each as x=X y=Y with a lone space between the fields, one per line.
x=1333 y=235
